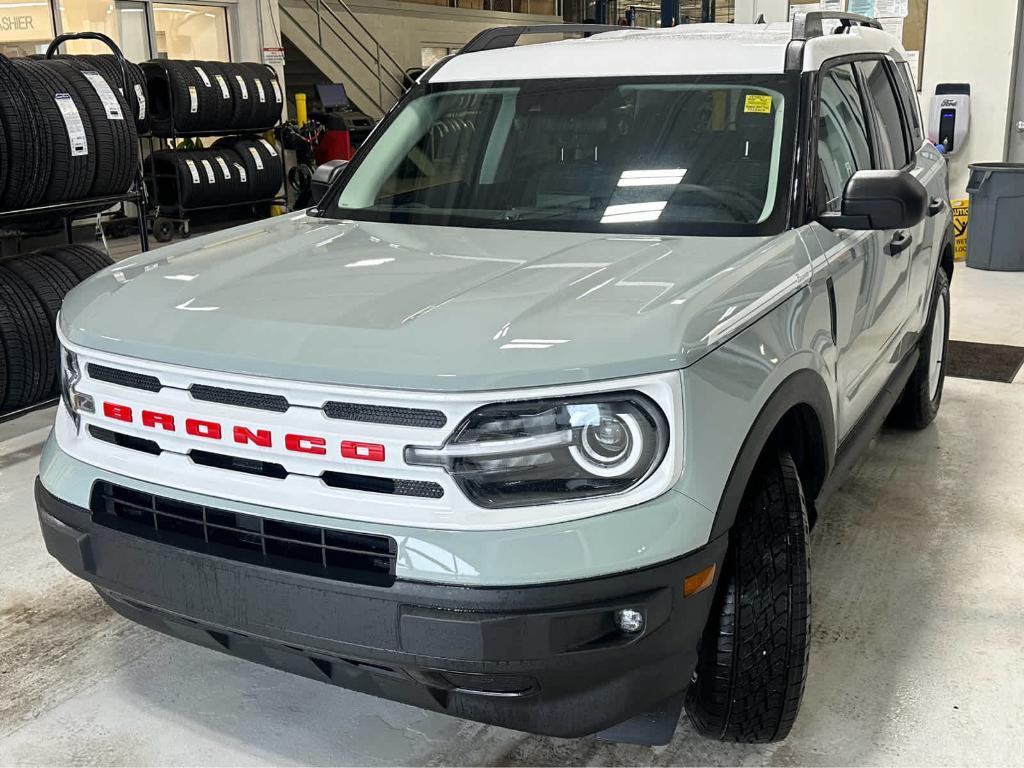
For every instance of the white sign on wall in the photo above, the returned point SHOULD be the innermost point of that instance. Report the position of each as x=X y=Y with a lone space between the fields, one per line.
x=273 y=56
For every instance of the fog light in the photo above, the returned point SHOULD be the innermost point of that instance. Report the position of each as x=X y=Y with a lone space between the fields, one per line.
x=629 y=620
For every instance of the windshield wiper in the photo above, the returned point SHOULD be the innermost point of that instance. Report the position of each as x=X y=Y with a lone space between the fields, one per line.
x=526 y=214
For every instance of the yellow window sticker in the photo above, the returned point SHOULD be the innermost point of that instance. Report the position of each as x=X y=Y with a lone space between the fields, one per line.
x=758 y=103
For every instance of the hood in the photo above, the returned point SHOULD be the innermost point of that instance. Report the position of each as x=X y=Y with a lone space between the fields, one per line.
x=431 y=308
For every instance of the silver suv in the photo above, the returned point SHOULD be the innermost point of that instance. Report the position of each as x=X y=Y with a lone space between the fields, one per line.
x=528 y=420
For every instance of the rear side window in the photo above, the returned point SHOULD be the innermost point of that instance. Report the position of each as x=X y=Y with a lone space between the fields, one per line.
x=891 y=143
x=843 y=147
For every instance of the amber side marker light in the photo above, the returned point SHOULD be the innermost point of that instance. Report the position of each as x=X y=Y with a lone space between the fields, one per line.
x=699 y=581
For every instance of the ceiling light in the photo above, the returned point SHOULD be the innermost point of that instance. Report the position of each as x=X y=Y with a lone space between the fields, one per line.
x=652 y=178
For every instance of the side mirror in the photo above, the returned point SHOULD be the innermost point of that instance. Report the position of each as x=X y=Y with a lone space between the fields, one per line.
x=880 y=200
x=323 y=177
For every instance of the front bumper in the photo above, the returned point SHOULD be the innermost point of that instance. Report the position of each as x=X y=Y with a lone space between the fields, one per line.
x=545 y=659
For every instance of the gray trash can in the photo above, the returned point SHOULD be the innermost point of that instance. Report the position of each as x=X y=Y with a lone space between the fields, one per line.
x=995 y=236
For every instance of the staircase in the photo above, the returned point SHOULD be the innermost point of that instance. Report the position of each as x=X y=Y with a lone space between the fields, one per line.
x=334 y=41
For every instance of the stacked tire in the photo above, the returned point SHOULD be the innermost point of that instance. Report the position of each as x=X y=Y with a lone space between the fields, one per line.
x=32 y=288
x=66 y=133
x=261 y=162
x=190 y=97
x=235 y=171
x=108 y=66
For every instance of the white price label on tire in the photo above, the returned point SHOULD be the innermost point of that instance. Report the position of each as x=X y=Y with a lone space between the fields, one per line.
x=277 y=92
x=269 y=146
x=242 y=85
x=256 y=157
x=195 y=171
x=241 y=172
x=73 y=124
x=210 y=176
x=202 y=74
x=224 y=168
x=260 y=92
x=225 y=92
x=106 y=95
x=193 y=97
x=140 y=96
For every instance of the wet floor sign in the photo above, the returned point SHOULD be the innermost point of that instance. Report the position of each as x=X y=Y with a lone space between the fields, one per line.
x=961 y=209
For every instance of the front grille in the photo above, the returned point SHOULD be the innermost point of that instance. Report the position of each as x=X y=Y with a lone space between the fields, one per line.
x=385 y=414
x=241 y=398
x=293 y=547
x=124 y=378
x=238 y=464
x=424 y=489
x=125 y=441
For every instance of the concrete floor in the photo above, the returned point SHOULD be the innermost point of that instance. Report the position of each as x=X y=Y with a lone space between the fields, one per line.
x=916 y=659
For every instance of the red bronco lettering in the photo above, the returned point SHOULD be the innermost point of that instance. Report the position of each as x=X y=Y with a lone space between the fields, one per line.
x=242 y=435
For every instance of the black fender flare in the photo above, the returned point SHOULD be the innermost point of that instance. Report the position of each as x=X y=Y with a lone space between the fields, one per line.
x=948 y=241
x=804 y=387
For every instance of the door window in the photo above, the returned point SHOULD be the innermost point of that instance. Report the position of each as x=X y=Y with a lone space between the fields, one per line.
x=187 y=31
x=134 y=30
x=911 y=105
x=843 y=147
x=891 y=142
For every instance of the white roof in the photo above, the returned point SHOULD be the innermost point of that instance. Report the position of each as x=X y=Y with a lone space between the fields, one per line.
x=689 y=49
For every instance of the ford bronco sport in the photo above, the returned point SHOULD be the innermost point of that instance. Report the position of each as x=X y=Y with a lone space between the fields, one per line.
x=527 y=420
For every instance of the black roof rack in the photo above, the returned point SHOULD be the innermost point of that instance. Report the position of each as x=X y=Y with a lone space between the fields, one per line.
x=807 y=26
x=507 y=37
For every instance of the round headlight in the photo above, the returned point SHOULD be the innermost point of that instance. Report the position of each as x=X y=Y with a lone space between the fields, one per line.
x=544 y=451
x=610 y=448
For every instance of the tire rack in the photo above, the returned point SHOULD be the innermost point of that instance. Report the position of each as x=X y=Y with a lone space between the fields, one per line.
x=178 y=214
x=66 y=210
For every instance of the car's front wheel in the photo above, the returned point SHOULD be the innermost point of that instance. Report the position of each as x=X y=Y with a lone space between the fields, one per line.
x=753 y=657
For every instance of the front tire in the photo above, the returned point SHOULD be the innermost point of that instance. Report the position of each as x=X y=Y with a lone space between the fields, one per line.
x=919 y=403
x=752 y=662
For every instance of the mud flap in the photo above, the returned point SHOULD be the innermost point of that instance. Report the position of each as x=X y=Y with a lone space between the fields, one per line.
x=651 y=729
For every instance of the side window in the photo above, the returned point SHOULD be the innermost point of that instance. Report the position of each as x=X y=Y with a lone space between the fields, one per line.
x=843 y=147
x=911 y=104
x=891 y=143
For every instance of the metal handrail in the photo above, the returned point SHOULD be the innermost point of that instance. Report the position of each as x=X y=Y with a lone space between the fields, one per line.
x=362 y=26
x=377 y=55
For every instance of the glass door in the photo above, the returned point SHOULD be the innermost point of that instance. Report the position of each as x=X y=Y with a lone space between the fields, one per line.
x=190 y=31
x=133 y=26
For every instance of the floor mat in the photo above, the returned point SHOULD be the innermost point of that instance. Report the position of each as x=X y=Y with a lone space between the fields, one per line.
x=987 y=362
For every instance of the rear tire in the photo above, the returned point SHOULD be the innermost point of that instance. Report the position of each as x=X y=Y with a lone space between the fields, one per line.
x=922 y=396
x=752 y=661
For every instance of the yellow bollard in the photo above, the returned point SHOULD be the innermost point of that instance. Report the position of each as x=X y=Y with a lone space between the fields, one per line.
x=300 y=109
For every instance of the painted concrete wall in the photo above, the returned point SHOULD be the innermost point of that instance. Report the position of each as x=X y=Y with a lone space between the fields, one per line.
x=748 y=11
x=258 y=27
x=345 y=53
x=405 y=28
x=973 y=43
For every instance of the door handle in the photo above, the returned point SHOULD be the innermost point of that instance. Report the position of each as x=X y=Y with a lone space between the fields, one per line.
x=936 y=206
x=899 y=243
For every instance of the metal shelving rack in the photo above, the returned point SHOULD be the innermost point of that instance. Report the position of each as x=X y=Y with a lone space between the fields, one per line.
x=66 y=210
x=160 y=215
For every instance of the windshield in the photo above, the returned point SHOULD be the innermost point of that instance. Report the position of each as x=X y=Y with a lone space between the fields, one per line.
x=701 y=155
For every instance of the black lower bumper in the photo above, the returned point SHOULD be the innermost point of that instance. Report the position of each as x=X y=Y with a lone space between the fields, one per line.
x=545 y=659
